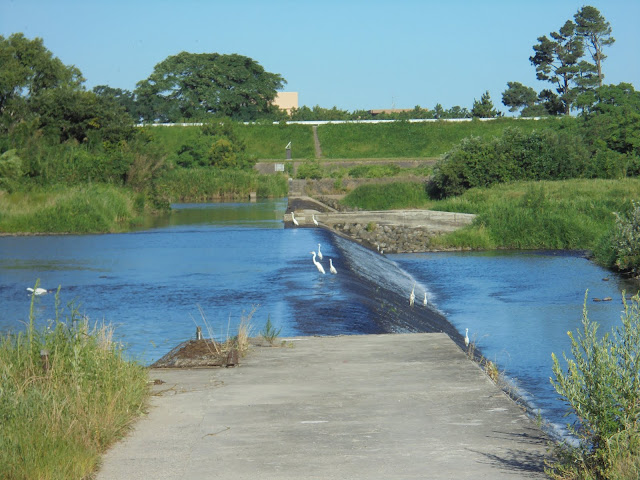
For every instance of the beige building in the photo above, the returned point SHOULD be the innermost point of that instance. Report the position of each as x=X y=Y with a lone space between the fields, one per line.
x=286 y=101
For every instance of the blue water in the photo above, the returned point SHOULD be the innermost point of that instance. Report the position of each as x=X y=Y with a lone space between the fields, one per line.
x=213 y=264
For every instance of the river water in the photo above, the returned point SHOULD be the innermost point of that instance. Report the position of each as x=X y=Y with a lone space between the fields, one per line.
x=213 y=264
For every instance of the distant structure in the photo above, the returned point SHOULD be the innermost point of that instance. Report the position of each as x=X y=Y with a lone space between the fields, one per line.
x=390 y=110
x=286 y=101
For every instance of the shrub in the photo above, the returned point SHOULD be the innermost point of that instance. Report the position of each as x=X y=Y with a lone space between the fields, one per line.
x=311 y=170
x=515 y=155
x=601 y=385
x=10 y=168
x=626 y=240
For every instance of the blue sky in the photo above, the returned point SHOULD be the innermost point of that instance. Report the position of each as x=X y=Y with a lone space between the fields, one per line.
x=351 y=54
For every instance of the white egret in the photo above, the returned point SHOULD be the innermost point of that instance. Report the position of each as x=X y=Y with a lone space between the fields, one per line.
x=424 y=302
x=313 y=217
x=332 y=269
x=412 y=297
x=466 y=337
x=293 y=219
x=38 y=291
x=319 y=252
x=317 y=264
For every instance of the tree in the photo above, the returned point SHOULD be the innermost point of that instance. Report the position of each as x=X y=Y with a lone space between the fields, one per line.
x=556 y=61
x=484 y=107
x=125 y=98
x=196 y=85
x=596 y=32
x=518 y=96
x=614 y=119
x=27 y=69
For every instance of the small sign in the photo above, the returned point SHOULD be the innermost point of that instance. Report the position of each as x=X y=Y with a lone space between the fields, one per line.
x=279 y=167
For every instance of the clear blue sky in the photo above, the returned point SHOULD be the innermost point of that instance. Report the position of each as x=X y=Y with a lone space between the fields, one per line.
x=351 y=54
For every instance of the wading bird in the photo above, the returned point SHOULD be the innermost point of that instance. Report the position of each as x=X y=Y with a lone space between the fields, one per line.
x=313 y=217
x=412 y=297
x=317 y=264
x=293 y=219
x=319 y=252
x=332 y=269
x=37 y=291
x=466 y=337
x=424 y=302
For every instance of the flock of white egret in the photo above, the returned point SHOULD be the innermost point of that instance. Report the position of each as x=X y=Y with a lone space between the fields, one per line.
x=412 y=296
x=319 y=266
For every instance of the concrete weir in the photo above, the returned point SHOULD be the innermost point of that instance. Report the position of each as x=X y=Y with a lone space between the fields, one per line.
x=395 y=231
x=403 y=406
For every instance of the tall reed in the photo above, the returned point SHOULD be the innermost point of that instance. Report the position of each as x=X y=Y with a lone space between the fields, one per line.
x=77 y=209
x=66 y=394
x=202 y=184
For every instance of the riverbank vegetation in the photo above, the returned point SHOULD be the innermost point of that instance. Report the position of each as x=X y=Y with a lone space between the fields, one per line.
x=66 y=394
x=601 y=385
x=75 y=209
x=577 y=214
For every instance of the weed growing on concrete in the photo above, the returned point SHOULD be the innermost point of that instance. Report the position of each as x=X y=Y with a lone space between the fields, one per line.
x=270 y=333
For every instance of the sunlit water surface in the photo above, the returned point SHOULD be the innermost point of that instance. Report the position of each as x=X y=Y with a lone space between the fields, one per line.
x=213 y=264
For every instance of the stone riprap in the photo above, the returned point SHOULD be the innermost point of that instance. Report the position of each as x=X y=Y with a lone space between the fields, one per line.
x=391 y=231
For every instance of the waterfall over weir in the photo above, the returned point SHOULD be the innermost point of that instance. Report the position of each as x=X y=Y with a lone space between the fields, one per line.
x=375 y=296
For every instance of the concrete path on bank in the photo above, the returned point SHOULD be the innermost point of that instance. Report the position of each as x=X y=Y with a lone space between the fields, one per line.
x=397 y=406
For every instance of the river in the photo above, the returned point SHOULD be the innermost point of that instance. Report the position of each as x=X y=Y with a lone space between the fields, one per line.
x=213 y=264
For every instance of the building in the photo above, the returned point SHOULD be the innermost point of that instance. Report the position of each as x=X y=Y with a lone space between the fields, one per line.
x=286 y=101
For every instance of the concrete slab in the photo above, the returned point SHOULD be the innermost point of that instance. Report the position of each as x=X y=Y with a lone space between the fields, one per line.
x=399 y=406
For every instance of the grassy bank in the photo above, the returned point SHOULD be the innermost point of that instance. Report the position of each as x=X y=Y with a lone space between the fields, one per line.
x=77 y=209
x=203 y=184
x=351 y=140
x=568 y=214
x=410 y=140
x=263 y=141
x=61 y=412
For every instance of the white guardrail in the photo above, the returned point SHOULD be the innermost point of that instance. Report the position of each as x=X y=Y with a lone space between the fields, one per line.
x=326 y=122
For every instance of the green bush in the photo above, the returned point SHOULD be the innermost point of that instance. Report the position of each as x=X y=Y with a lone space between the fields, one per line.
x=515 y=155
x=10 y=168
x=311 y=170
x=601 y=385
x=626 y=240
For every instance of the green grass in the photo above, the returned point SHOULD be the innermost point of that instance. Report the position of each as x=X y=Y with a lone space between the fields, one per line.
x=269 y=141
x=263 y=141
x=410 y=140
x=203 y=184
x=77 y=209
x=568 y=214
x=388 y=196
x=351 y=140
x=59 y=416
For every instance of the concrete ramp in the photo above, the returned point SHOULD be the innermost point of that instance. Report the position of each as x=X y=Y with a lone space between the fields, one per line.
x=398 y=406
